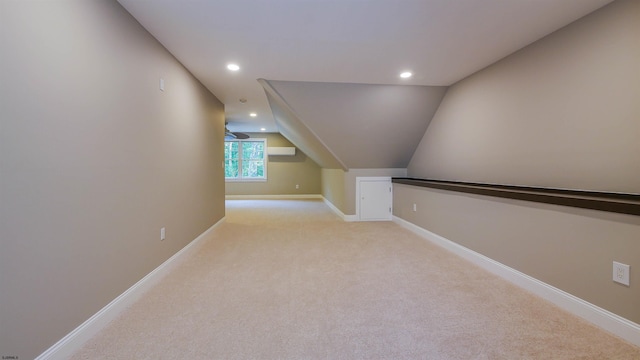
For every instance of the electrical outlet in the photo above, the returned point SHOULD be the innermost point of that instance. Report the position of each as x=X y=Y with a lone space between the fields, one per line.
x=297 y=186
x=621 y=273
x=162 y=234
x=415 y=208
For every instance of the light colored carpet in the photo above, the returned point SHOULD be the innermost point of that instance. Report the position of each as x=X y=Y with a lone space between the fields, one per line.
x=290 y=280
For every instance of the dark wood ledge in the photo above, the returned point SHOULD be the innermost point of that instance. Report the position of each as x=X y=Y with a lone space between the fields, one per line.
x=612 y=202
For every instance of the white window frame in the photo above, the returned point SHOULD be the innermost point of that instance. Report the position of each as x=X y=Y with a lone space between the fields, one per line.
x=264 y=160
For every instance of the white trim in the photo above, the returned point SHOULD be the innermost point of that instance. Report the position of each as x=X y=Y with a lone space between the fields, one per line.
x=351 y=218
x=273 y=197
x=624 y=328
x=73 y=341
x=243 y=180
x=347 y=218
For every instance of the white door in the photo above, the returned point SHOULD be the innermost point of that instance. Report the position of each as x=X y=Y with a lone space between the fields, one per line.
x=374 y=198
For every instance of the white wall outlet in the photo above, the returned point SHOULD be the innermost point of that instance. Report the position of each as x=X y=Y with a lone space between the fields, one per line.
x=297 y=186
x=415 y=208
x=621 y=273
x=161 y=84
x=162 y=234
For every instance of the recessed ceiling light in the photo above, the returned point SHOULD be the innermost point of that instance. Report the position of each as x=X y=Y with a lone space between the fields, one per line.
x=263 y=129
x=233 y=67
x=253 y=114
x=406 y=74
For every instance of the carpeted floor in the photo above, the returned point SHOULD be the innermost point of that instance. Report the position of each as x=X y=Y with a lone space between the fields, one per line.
x=290 y=280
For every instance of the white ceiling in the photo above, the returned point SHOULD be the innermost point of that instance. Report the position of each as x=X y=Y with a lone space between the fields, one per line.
x=347 y=41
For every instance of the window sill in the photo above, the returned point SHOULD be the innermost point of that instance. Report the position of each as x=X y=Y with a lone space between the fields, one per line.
x=245 y=180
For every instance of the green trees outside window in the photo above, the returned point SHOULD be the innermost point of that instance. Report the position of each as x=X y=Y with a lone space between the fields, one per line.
x=245 y=159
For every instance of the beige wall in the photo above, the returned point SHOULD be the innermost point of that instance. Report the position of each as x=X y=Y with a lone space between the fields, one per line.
x=283 y=173
x=333 y=187
x=94 y=160
x=563 y=113
x=569 y=248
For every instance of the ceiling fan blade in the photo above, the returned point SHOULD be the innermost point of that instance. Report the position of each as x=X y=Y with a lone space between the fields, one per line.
x=230 y=135
x=240 y=135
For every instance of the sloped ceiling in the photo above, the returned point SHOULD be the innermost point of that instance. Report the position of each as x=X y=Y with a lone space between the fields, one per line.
x=311 y=45
x=345 y=41
x=353 y=125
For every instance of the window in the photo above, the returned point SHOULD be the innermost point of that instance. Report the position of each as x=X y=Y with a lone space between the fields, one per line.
x=245 y=160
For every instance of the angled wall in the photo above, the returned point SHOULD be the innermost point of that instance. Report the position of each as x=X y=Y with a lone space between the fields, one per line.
x=94 y=160
x=294 y=130
x=562 y=112
x=365 y=126
x=353 y=130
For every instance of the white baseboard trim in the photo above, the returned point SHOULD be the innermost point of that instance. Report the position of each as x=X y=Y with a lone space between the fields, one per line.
x=351 y=218
x=347 y=218
x=73 y=341
x=615 y=324
x=273 y=197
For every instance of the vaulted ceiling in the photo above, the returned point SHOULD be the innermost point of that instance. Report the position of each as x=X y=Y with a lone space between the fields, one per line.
x=332 y=66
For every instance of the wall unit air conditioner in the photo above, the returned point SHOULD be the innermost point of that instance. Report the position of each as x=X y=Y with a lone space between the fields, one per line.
x=281 y=151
